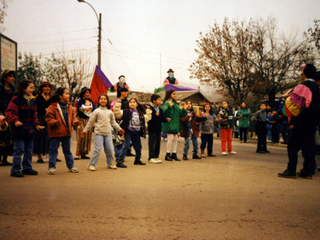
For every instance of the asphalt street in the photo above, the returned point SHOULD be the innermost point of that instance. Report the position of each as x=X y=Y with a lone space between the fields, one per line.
x=224 y=197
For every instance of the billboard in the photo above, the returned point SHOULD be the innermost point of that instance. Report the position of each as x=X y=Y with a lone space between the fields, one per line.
x=8 y=53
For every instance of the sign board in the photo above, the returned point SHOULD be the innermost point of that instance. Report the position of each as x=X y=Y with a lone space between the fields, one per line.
x=8 y=53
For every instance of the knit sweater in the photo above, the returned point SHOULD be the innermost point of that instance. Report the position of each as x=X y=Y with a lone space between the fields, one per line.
x=207 y=125
x=20 y=110
x=228 y=116
x=104 y=119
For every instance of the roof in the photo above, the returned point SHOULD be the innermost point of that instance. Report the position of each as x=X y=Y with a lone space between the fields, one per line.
x=194 y=96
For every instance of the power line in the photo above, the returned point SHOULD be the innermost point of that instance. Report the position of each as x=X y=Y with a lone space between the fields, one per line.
x=37 y=43
x=27 y=36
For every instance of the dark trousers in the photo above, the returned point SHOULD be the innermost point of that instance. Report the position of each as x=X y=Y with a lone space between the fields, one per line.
x=244 y=132
x=285 y=130
x=154 y=145
x=53 y=151
x=300 y=139
x=133 y=137
x=262 y=138
x=207 y=138
x=275 y=134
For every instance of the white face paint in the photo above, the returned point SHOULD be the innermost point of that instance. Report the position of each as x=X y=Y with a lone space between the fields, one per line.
x=122 y=81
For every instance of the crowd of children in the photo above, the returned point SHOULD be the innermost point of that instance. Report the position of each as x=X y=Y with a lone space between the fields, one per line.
x=122 y=119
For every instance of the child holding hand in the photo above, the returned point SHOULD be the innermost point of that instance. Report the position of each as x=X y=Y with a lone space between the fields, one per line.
x=105 y=120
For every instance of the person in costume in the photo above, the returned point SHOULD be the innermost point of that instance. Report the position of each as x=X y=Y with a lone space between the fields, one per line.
x=84 y=107
x=170 y=79
x=121 y=84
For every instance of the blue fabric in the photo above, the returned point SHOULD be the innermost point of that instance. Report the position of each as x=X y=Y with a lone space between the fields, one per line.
x=99 y=142
x=22 y=147
x=64 y=109
x=136 y=142
x=53 y=151
x=194 y=143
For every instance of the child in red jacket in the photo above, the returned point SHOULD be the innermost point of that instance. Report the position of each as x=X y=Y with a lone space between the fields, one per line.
x=60 y=118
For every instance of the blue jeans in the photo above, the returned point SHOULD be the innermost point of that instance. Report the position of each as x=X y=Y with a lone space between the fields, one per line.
x=106 y=142
x=133 y=137
x=269 y=134
x=53 y=151
x=24 y=147
x=117 y=150
x=187 y=144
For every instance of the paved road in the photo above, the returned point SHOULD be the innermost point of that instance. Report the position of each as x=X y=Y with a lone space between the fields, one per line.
x=233 y=197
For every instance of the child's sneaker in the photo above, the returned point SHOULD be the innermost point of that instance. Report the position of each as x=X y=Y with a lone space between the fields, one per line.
x=73 y=170
x=158 y=160
x=233 y=153
x=92 y=167
x=112 y=167
x=224 y=154
x=52 y=171
x=152 y=160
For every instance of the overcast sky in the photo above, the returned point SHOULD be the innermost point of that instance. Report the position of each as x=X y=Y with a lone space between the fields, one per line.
x=141 y=30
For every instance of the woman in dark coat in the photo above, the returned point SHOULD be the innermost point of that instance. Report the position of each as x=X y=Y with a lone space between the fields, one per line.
x=41 y=140
x=6 y=94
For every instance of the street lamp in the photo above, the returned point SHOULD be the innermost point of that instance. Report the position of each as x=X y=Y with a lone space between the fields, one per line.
x=99 y=28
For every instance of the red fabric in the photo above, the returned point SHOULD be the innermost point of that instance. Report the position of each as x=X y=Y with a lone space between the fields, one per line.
x=57 y=126
x=226 y=137
x=97 y=87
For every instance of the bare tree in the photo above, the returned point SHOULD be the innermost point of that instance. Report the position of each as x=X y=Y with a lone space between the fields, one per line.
x=3 y=9
x=223 y=59
x=277 y=60
x=73 y=72
x=247 y=60
x=313 y=38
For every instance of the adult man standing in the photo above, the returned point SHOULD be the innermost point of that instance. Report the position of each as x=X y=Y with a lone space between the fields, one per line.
x=303 y=125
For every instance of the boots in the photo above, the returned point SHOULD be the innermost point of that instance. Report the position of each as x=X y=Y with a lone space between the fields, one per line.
x=174 y=157
x=203 y=155
x=211 y=155
x=168 y=158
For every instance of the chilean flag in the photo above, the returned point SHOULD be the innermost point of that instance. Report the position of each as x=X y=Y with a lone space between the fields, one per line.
x=100 y=84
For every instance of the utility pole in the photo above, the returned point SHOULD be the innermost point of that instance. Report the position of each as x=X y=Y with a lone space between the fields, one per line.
x=99 y=31
x=99 y=42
